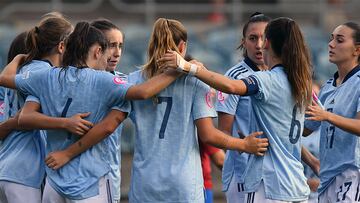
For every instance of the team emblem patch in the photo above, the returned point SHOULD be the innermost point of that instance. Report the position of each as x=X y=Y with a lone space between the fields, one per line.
x=221 y=97
x=119 y=81
x=210 y=98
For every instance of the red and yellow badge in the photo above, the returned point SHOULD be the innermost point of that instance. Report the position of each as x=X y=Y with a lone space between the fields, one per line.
x=210 y=97
x=117 y=80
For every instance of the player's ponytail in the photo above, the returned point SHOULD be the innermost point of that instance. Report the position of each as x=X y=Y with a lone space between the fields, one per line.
x=79 y=43
x=166 y=35
x=42 y=40
x=288 y=44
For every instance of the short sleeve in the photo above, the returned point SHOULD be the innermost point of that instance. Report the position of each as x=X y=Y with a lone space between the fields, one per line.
x=30 y=82
x=116 y=88
x=203 y=103
x=264 y=82
x=226 y=103
x=32 y=98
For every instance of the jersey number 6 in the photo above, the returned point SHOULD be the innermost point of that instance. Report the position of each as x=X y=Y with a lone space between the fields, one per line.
x=294 y=123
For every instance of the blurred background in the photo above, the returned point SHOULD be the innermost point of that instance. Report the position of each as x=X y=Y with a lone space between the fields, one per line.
x=214 y=29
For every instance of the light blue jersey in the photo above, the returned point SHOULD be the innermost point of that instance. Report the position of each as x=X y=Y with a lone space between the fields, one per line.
x=166 y=164
x=276 y=114
x=22 y=153
x=339 y=150
x=240 y=108
x=115 y=158
x=64 y=93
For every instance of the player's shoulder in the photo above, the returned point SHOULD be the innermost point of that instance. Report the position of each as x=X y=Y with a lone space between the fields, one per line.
x=238 y=70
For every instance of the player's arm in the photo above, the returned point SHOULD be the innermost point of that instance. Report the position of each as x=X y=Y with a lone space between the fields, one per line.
x=7 y=76
x=351 y=125
x=220 y=82
x=9 y=125
x=100 y=131
x=211 y=135
x=310 y=160
x=225 y=122
x=152 y=86
x=31 y=118
x=218 y=158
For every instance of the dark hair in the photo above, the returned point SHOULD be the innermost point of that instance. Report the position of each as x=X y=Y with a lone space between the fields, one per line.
x=79 y=42
x=166 y=35
x=17 y=46
x=42 y=39
x=254 y=18
x=356 y=33
x=288 y=44
x=106 y=25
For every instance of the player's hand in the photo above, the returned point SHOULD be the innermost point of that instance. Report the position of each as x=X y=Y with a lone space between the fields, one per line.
x=316 y=113
x=57 y=159
x=313 y=184
x=77 y=125
x=254 y=145
x=19 y=59
x=169 y=60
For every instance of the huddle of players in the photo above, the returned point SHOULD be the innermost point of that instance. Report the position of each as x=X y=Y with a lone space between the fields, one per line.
x=62 y=80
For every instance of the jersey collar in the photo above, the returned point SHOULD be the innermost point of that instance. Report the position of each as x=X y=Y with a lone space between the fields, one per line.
x=46 y=61
x=351 y=73
x=251 y=64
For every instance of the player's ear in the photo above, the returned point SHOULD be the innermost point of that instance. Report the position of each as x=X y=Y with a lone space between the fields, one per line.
x=182 y=48
x=61 y=47
x=266 y=44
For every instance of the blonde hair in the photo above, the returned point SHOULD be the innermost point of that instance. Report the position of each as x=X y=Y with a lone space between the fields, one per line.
x=166 y=35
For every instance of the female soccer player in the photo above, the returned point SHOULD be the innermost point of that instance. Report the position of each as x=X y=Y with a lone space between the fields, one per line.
x=339 y=121
x=234 y=110
x=278 y=98
x=22 y=154
x=116 y=39
x=83 y=178
x=166 y=164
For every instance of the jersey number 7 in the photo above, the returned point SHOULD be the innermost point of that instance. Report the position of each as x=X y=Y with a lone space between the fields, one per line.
x=168 y=101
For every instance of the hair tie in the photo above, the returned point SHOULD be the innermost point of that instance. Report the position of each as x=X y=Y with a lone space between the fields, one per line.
x=256 y=14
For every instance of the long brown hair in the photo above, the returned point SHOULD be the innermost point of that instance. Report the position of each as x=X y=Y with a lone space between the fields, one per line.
x=166 y=35
x=289 y=45
x=42 y=39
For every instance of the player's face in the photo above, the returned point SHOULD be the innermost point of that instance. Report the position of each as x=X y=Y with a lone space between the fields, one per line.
x=341 y=45
x=103 y=59
x=253 y=42
x=115 y=38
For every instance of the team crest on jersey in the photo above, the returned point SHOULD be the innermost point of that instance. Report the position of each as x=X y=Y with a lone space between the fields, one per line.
x=119 y=81
x=2 y=108
x=26 y=75
x=221 y=96
x=210 y=98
